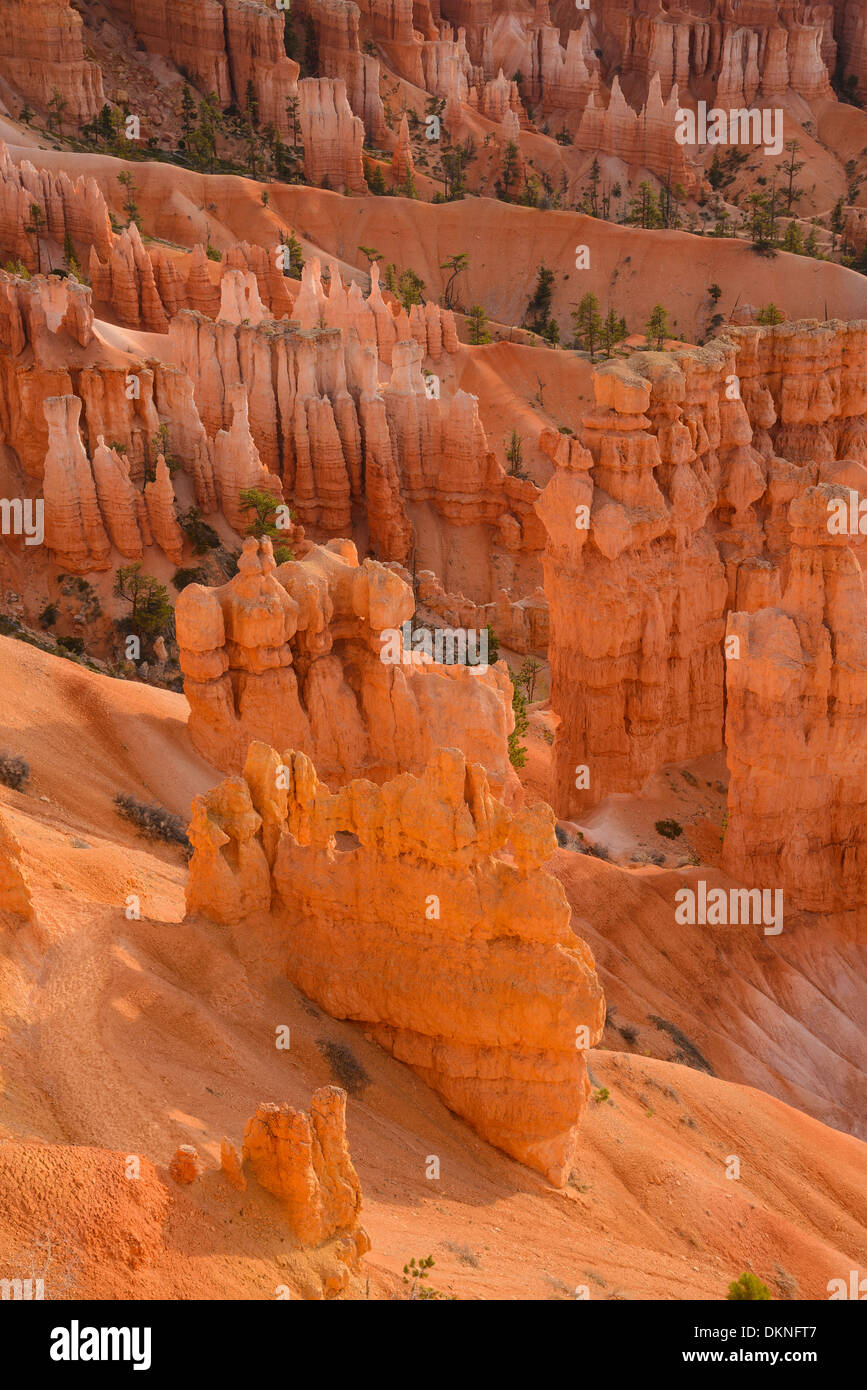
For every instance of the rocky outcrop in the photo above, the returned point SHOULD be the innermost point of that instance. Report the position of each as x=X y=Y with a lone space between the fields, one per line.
x=144 y=287
x=15 y=898
x=127 y=283
x=91 y=506
x=76 y=212
x=797 y=701
x=237 y=465
x=305 y=655
x=645 y=138
x=402 y=166
x=223 y=45
x=304 y=1161
x=74 y=527
x=42 y=53
x=463 y=903
x=257 y=59
x=335 y=23
x=186 y=1166
x=321 y=422
x=40 y=313
x=331 y=135
x=635 y=585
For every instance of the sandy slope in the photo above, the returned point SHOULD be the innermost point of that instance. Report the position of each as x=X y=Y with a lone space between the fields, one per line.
x=121 y=1037
x=505 y=244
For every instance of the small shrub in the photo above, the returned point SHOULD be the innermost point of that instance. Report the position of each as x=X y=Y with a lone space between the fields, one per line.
x=687 y=1052
x=154 y=822
x=201 y=536
x=669 y=828
x=14 y=772
x=345 y=1066
x=748 y=1287
x=71 y=644
x=413 y=1275
x=601 y=1094
x=190 y=575
x=48 y=616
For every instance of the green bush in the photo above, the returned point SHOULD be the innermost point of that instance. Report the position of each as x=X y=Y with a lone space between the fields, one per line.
x=748 y=1287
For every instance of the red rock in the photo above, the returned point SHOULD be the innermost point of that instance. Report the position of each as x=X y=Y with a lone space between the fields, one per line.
x=41 y=52
x=304 y=1160
x=508 y=1060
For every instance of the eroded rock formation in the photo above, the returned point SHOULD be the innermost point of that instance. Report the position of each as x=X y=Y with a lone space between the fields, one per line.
x=304 y=1161
x=331 y=135
x=293 y=656
x=450 y=907
x=701 y=495
x=15 y=896
x=795 y=722
x=42 y=54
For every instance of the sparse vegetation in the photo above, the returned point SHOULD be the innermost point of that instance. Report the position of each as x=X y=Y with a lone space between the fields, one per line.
x=14 y=771
x=154 y=822
x=345 y=1066
x=687 y=1053
x=669 y=829
x=415 y=1273
x=748 y=1286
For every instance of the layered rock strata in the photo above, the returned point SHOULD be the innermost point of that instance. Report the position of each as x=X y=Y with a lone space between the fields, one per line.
x=462 y=897
x=307 y=655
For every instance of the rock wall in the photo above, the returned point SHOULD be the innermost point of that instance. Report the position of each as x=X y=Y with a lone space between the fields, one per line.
x=730 y=54
x=293 y=656
x=342 y=443
x=699 y=497
x=450 y=910
x=796 y=719
x=224 y=45
x=42 y=53
x=331 y=135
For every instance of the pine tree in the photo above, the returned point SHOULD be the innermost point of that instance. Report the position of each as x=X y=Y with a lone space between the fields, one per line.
x=770 y=315
x=794 y=239
x=587 y=325
x=538 y=313
x=477 y=321
x=188 y=111
x=613 y=332
x=657 y=329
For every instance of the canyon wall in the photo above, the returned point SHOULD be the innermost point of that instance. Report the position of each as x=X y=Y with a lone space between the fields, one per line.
x=42 y=57
x=699 y=594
